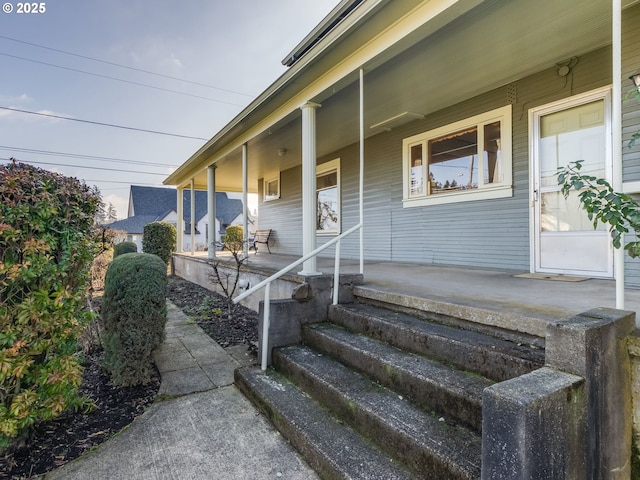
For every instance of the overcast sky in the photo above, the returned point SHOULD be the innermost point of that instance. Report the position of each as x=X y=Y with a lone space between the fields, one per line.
x=234 y=46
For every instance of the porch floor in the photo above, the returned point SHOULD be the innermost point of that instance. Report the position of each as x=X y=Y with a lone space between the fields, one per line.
x=500 y=290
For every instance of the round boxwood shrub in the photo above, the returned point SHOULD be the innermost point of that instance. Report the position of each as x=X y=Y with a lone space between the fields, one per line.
x=124 y=247
x=134 y=313
x=159 y=238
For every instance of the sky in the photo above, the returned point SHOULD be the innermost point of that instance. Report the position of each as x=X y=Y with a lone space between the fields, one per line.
x=89 y=60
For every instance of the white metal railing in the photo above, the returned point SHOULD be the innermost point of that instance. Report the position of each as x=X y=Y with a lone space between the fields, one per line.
x=266 y=283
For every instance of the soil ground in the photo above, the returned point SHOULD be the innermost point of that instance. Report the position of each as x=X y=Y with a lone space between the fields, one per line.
x=54 y=443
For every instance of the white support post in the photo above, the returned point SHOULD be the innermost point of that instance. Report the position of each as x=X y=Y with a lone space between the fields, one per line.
x=265 y=324
x=616 y=41
x=361 y=180
x=211 y=211
x=245 y=200
x=309 y=186
x=180 y=219
x=193 y=217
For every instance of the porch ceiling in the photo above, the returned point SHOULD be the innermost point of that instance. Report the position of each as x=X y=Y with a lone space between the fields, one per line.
x=493 y=44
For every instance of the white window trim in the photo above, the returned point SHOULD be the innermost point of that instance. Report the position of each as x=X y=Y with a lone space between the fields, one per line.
x=267 y=181
x=487 y=192
x=324 y=168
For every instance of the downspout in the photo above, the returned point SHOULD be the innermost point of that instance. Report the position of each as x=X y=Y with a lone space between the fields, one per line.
x=616 y=127
x=211 y=211
x=193 y=218
x=245 y=199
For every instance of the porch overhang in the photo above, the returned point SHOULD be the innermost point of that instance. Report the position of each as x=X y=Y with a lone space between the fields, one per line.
x=418 y=57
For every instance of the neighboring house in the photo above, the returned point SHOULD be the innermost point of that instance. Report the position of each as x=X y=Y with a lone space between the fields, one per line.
x=468 y=108
x=152 y=204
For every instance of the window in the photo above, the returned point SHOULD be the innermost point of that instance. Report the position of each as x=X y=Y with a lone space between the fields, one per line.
x=467 y=160
x=328 y=197
x=271 y=189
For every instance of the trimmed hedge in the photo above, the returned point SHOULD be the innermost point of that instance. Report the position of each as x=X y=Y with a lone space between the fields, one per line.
x=124 y=247
x=46 y=249
x=159 y=238
x=134 y=313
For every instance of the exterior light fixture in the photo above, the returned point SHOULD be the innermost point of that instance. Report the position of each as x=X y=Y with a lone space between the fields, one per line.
x=635 y=78
x=282 y=152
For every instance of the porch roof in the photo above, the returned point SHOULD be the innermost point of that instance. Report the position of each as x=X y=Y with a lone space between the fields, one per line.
x=419 y=57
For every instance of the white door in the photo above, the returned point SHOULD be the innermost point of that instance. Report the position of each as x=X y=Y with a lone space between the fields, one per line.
x=564 y=240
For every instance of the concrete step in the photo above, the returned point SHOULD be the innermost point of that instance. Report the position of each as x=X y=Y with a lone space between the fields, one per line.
x=491 y=357
x=429 y=445
x=333 y=449
x=429 y=384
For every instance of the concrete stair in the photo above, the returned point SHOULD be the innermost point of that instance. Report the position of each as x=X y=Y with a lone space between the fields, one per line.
x=377 y=393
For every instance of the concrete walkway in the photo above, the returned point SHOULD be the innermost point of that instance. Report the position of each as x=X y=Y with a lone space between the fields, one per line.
x=201 y=427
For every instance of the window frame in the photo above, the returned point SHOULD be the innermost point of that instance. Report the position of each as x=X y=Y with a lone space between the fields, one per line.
x=265 y=183
x=324 y=169
x=502 y=189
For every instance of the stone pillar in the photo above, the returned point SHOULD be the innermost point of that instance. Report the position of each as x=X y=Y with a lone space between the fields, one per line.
x=593 y=345
x=309 y=186
x=211 y=211
x=532 y=427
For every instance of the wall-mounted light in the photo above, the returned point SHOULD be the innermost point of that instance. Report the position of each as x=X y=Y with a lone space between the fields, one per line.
x=635 y=78
x=282 y=152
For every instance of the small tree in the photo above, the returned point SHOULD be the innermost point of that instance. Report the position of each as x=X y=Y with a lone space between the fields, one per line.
x=232 y=240
x=603 y=205
x=159 y=238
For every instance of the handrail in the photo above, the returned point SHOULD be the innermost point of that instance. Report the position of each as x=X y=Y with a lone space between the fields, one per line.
x=267 y=284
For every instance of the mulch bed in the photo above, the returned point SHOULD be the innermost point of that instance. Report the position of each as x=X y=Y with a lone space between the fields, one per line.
x=54 y=443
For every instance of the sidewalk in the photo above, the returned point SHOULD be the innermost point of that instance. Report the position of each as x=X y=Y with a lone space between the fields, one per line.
x=209 y=430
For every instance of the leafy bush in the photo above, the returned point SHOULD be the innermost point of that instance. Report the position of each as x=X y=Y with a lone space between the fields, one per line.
x=134 y=314
x=124 y=247
x=159 y=238
x=46 y=250
x=225 y=278
x=233 y=239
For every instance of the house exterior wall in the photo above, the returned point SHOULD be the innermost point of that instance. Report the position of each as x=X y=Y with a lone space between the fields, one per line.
x=488 y=234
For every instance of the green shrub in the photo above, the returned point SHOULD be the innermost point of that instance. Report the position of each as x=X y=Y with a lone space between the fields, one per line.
x=46 y=250
x=134 y=315
x=124 y=247
x=159 y=238
x=233 y=239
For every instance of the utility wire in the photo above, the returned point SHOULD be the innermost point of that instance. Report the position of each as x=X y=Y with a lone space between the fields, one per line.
x=89 y=157
x=119 y=79
x=126 y=66
x=100 y=123
x=88 y=167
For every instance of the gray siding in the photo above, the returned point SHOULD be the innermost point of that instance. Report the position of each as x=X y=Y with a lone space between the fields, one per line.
x=488 y=234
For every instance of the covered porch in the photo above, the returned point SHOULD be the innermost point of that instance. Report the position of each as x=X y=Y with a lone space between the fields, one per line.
x=503 y=297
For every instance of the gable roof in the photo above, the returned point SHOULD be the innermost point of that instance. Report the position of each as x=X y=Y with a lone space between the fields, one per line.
x=152 y=204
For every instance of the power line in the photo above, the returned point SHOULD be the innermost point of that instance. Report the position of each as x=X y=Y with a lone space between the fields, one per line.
x=119 y=79
x=80 y=156
x=127 y=67
x=100 y=123
x=87 y=167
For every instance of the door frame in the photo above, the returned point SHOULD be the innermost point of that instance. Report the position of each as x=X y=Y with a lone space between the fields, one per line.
x=603 y=93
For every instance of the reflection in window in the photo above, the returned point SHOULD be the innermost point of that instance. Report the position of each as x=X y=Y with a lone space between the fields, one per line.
x=453 y=162
x=417 y=171
x=271 y=189
x=327 y=201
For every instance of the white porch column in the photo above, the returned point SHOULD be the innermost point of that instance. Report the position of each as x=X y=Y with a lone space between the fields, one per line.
x=211 y=211
x=616 y=42
x=245 y=199
x=193 y=217
x=180 y=219
x=309 y=186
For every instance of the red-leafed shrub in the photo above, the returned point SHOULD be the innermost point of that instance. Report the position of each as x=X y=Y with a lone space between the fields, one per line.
x=46 y=249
